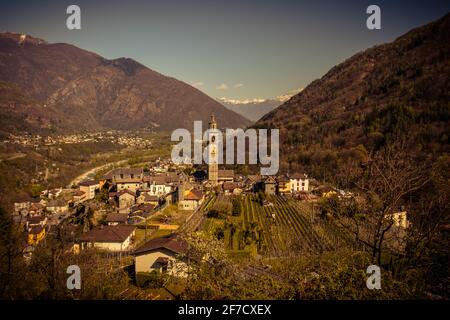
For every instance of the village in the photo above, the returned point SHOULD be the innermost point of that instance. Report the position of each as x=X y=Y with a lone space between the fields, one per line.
x=128 y=139
x=232 y=157
x=142 y=214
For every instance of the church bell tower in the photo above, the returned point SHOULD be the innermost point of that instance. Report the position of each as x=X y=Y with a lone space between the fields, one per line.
x=213 y=168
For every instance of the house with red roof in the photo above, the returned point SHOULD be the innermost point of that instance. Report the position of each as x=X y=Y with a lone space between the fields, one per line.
x=190 y=199
x=110 y=238
x=168 y=254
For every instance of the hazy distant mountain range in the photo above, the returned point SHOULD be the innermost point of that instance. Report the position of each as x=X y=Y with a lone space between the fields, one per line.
x=254 y=109
x=59 y=87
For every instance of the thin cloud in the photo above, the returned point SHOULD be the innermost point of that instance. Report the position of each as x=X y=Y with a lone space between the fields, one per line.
x=238 y=85
x=222 y=86
x=288 y=95
x=197 y=84
x=243 y=101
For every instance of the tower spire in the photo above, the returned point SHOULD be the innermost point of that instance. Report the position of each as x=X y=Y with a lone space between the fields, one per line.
x=213 y=170
x=213 y=122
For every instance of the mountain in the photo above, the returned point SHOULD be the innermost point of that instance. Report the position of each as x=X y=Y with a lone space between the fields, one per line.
x=254 y=109
x=70 y=89
x=391 y=92
x=20 y=112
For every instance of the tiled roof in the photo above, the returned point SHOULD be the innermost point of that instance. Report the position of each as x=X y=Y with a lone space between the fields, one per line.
x=144 y=207
x=230 y=186
x=193 y=195
x=35 y=220
x=88 y=183
x=126 y=172
x=254 y=178
x=57 y=203
x=172 y=243
x=108 y=234
x=36 y=206
x=124 y=191
x=158 y=179
x=226 y=173
x=282 y=179
x=116 y=217
x=79 y=193
x=148 y=197
x=269 y=179
x=36 y=229
x=298 y=176
x=128 y=180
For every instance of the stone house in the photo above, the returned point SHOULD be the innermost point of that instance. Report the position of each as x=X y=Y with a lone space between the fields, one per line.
x=126 y=198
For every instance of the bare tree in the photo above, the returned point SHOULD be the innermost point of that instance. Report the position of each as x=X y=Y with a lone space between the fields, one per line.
x=388 y=178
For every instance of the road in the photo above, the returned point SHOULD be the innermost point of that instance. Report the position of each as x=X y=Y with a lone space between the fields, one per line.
x=92 y=171
x=14 y=156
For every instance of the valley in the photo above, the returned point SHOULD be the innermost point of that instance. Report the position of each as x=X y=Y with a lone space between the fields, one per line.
x=88 y=178
x=31 y=163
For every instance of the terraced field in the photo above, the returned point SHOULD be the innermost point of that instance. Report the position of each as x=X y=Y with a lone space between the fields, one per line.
x=282 y=227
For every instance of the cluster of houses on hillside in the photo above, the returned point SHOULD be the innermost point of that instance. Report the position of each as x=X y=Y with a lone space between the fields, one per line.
x=38 y=216
x=133 y=195
x=163 y=254
x=130 y=189
x=129 y=139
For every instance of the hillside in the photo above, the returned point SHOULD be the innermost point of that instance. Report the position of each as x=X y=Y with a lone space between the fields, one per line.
x=389 y=93
x=19 y=111
x=83 y=91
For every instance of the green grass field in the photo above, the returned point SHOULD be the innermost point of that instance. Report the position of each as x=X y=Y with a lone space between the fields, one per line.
x=151 y=233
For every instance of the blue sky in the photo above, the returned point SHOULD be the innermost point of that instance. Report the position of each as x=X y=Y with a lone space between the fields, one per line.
x=235 y=49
